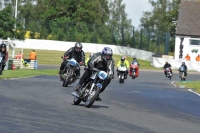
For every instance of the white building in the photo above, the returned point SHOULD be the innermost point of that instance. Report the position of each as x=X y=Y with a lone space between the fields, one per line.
x=188 y=28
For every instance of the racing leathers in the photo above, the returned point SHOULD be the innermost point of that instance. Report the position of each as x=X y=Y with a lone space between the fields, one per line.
x=78 y=56
x=4 y=55
x=96 y=62
x=185 y=69
x=123 y=63
x=167 y=65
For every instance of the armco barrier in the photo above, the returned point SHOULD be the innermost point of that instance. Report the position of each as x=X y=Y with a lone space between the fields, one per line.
x=31 y=65
x=87 y=47
x=176 y=63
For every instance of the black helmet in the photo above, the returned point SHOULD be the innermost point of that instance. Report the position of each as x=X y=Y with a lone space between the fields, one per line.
x=3 y=46
x=78 y=47
x=134 y=58
x=106 y=53
x=183 y=63
x=122 y=59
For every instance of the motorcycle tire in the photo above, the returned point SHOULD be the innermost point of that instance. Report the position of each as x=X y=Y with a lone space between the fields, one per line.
x=76 y=101
x=66 y=81
x=93 y=99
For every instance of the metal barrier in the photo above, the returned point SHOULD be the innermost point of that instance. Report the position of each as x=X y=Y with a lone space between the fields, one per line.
x=20 y=64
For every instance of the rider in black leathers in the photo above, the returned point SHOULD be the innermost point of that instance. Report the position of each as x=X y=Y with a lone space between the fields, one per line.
x=101 y=61
x=167 y=65
x=4 y=54
x=78 y=54
x=185 y=68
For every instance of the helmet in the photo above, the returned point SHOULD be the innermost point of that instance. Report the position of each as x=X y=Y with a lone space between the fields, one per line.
x=3 y=46
x=78 y=47
x=183 y=63
x=134 y=58
x=122 y=59
x=106 y=53
x=91 y=55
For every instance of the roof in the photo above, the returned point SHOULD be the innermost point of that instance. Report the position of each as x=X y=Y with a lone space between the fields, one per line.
x=189 y=18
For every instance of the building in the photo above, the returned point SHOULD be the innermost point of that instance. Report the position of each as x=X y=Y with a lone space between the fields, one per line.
x=188 y=30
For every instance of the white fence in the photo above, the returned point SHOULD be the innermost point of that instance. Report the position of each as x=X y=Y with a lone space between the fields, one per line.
x=176 y=63
x=87 y=47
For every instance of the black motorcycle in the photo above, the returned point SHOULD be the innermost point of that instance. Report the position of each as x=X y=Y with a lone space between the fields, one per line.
x=90 y=89
x=182 y=73
x=1 y=64
x=68 y=76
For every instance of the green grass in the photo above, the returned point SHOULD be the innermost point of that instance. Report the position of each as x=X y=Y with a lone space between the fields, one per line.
x=195 y=85
x=52 y=57
x=25 y=73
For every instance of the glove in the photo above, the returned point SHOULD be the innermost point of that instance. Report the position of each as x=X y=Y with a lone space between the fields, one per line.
x=65 y=58
x=111 y=76
x=81 y=63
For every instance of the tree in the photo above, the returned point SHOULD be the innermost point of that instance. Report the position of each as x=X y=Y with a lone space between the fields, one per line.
x=159 y=20
x=7 y=25
x=120 y=25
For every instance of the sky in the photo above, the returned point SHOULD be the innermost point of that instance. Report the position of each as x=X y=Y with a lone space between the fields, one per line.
x=134 y=9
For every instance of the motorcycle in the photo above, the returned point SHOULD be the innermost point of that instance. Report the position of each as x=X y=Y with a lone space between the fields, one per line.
x=90 y=89
x=121 y=73
x=134 y=67
x=69 y=76
x=182 y=73
x=1 y=63
x=169 y=74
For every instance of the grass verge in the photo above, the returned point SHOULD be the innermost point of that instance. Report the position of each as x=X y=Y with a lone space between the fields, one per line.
x=194 y=85
x=25 y=73
x=52 y=57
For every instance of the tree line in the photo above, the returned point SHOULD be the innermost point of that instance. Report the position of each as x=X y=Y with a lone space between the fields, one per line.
x=92 y=21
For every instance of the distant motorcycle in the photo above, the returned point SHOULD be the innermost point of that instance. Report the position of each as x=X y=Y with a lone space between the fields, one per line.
x=90 y=89
x=69 y=76
x=1 y=63
x=169 y=74
x=121 y=73
x=134 y=68
x=182 y=73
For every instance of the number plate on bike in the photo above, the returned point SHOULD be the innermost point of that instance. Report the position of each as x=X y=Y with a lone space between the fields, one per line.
x=99 y=85
x=102 y=75
x=72 y=62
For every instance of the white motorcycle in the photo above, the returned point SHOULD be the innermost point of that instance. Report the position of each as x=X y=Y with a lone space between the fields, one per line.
x=169 y=74
x=121 y=73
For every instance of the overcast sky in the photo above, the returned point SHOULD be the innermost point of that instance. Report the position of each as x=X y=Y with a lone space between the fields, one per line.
x=134 y=9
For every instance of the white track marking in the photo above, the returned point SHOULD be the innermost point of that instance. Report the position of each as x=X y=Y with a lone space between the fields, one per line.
x=193 y=92
x=173 y=83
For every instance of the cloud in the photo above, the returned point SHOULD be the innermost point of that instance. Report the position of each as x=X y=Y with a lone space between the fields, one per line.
x=135 y=9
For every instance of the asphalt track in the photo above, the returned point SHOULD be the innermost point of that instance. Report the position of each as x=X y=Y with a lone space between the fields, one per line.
x=148 y=104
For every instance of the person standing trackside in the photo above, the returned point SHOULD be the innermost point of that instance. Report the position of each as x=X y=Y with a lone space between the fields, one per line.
x=198 y=57
x=187 y=57
x=32 y=55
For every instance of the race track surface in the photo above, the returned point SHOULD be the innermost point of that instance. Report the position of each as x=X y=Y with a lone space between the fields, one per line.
x=148 y=104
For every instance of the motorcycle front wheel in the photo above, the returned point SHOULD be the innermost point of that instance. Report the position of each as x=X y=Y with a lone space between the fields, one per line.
x=76 y=101
x=91 y=98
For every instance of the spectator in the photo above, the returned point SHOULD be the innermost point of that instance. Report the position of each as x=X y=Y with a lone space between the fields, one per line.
x=187 y=57
x=198 y=57
x=32 y=55
x=19 y=56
